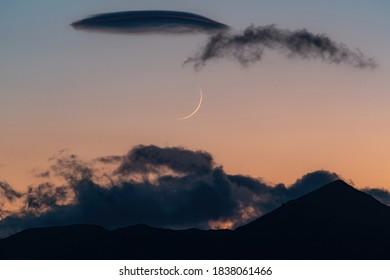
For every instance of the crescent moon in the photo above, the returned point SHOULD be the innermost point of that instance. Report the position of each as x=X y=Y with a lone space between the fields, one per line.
x=197 y=108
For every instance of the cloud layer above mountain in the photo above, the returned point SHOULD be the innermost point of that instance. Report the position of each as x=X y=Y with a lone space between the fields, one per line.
x=166 y=187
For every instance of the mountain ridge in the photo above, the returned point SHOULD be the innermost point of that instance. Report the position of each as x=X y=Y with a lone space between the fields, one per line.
x=335 y=221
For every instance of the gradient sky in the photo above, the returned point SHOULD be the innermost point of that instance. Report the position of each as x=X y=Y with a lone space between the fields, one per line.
x=98 y=94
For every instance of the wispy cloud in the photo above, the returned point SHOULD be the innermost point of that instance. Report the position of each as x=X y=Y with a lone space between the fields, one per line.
x=247 y=47
x=7 y=192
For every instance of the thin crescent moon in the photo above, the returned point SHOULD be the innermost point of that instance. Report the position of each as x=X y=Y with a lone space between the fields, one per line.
x=197 y=108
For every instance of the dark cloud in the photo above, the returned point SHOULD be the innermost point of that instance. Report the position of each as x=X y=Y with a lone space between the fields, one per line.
x=380 y=194
x=146 y=159
x=72 y=169
x=45 y=197
x=248 y=47
x=41 y=174
x=141 y=22
x=166 y=187
x=311 y=181
x=7 y=192
x=109 y=159
x=7 y=195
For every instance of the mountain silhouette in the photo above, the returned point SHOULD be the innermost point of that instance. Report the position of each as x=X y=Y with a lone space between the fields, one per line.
x=335 y=221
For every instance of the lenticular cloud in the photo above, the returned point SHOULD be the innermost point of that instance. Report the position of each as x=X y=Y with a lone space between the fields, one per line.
x=144 y=22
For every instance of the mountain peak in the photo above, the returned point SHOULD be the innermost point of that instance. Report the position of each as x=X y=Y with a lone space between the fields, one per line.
x=334 y=221
x=338 y=185
x=332 y=190
x=338 y=194
x=336 y=201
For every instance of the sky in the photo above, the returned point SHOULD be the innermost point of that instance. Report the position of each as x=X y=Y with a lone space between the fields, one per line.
x=69 y=91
